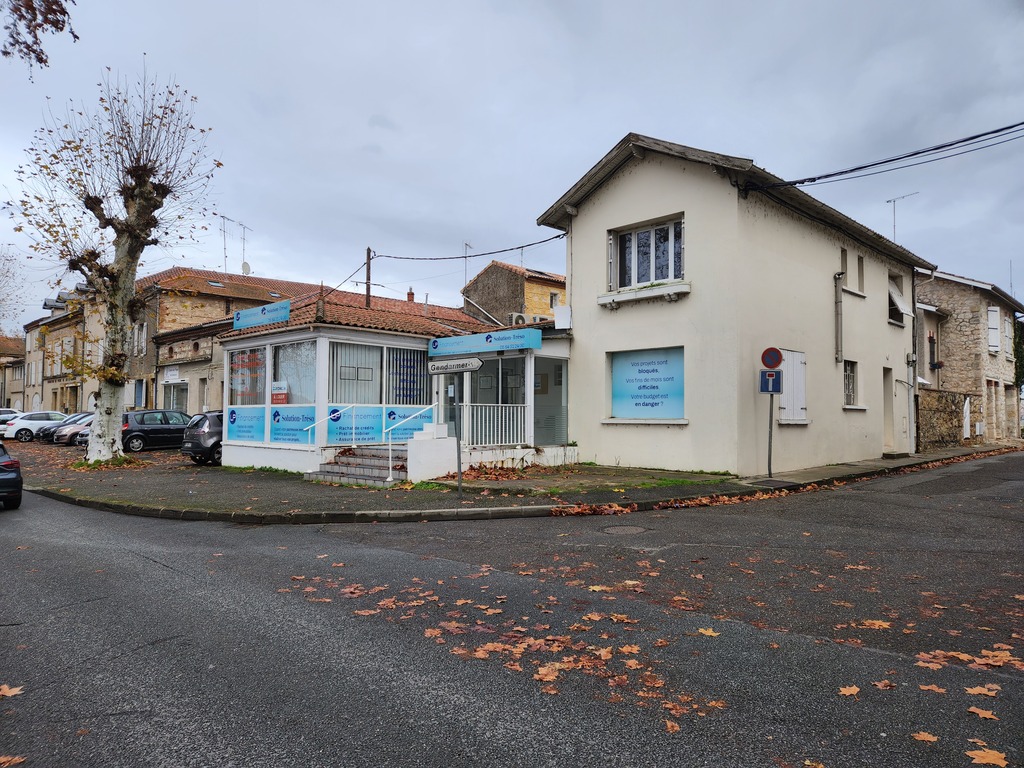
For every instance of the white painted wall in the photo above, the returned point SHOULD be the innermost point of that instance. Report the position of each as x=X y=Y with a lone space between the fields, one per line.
x=759 y=276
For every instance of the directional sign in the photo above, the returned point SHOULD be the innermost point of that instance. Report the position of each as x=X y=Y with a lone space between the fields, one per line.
x=771 y=383
x=455 y=365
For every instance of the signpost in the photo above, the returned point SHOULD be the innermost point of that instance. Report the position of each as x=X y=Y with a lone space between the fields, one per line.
x=454 y=365
x=770 y=383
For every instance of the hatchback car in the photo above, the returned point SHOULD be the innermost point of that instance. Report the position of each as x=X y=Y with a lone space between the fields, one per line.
x=45 y=434
x=25 y=426
x=65 y=433
x=201 y=441
x=10 y=480
x=153 y=429
x=9 y=413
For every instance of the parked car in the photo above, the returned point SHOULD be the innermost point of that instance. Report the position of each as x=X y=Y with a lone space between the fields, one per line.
x=45 y=434
x=65 y=433
x=25 y=426
x=153 y=429
x=10 y=480
x=201 y=441
x=82 y=438
x=6 y=414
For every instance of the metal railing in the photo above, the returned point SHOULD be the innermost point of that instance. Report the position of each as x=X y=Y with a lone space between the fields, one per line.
x=312 y=426
x=494 y=424
x=387 y=434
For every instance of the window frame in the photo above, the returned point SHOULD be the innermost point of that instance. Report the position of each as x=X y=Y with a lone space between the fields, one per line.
x=850 y=385
x=624 y=274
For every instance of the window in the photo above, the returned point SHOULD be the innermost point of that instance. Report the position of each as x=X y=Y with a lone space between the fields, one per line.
x=176 y=396
x=248 y=371
x=851 y=281
x=553 y=300
x=849 y=382
x=793 y=400
x=647 y=384
x=408 y=380
x=649 y=255
x=354 y=374
x=993 y=330
x=295 y=371
x=898 y=305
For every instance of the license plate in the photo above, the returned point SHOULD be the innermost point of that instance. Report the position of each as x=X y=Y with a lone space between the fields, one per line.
x=186 y=445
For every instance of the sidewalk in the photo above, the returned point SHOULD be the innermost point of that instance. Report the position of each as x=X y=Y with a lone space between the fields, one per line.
x=169 y=486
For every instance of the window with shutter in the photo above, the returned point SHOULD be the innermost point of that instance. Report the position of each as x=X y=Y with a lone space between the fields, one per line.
x=793 y=400
x=993 y=329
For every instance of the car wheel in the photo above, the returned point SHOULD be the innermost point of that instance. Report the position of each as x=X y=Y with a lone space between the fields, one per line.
x=13 y=503
x=134 y=444
x=24 y=435
x=198 y=459
x=215 y=454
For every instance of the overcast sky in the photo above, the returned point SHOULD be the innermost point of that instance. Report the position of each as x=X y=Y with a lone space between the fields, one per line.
x=414 y=128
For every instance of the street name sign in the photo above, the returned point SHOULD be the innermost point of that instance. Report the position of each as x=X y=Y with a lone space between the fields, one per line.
x=454 y=365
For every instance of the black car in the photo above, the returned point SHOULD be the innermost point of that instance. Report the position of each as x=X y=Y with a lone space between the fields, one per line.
x=10 y=480
x=201 y=442
x=152 y=429
x=45 y=434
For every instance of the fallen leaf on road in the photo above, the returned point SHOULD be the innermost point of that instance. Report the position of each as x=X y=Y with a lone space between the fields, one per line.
x=550 y=690
x=850 y=690
x=671 y=726
x=368 y=612
x=932 y=688
x=6 y=690
x=986 y=757
x=876 y=624
x=6 y=760
x=984 y=690
x=636 y=649
x=984 y=714
x=924 y=736
x=709 y=632
x=885 y=685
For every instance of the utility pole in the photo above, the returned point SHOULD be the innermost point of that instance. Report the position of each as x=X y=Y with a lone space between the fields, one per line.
x=465 y=263
x=893 y=201
x=368 y=252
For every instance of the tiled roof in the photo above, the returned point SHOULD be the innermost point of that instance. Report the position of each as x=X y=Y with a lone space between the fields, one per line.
x=12 y=346
x=524 y=272
x=339 y=310
x=224 y=284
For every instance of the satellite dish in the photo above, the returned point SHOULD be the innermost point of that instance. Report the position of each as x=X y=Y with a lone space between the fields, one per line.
x=246 y=269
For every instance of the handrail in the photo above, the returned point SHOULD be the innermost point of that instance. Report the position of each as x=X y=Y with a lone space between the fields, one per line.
x=387 y=432
x=351 y=407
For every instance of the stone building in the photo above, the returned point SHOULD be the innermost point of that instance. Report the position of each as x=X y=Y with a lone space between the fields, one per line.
x=965 y=361
x=12 y=372
x=506 y=294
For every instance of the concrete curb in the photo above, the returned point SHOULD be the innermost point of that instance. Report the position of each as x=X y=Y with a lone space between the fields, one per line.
x=477 y=513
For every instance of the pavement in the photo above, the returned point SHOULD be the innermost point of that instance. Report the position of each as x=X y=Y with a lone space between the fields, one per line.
x=165 y=484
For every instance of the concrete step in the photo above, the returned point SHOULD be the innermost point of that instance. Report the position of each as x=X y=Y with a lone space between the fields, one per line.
x=345 y=479
x=359 y=474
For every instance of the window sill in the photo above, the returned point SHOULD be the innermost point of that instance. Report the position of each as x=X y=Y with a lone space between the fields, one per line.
x=669 y=292
x=794 y=422
x=854 y=292
x=855 y=407
x=653 y=422
x=896 y=324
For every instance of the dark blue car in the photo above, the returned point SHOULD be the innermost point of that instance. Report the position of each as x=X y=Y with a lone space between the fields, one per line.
x=10 y=480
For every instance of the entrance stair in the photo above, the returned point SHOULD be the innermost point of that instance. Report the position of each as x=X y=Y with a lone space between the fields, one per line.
x=364 y=465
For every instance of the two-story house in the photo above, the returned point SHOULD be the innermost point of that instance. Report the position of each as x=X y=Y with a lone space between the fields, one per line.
x=12 y=372
x=966 y=361
x=683 y=268
x=508 y=294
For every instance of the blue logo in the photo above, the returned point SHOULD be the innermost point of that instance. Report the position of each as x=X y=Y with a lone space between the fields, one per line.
x=335 y=414
x=392 y=415
x=488 y=338
x=232 y=416
x=238 y=316
x=276 y=417
x=434 y=343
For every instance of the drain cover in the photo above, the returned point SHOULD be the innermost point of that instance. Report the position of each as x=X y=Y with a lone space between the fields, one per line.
x=621 y=530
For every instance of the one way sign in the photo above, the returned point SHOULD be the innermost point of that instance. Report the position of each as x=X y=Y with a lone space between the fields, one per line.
x=771 y=382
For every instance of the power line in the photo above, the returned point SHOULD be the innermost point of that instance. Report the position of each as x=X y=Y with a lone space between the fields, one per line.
x=469 y=255
x=984 y=138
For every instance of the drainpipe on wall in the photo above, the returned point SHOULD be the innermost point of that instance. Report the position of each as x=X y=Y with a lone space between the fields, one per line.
x=837 y=281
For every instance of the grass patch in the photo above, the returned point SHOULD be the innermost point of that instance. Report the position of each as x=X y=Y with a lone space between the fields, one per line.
x=119 y=462
x=269 y=470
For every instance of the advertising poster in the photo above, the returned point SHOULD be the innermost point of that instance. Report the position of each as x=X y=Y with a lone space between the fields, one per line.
x=247 y=424
x=648 y=384
x=288 y=424
x=371 y=421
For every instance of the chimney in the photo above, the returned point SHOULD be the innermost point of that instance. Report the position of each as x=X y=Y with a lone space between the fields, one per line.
x=410 y=296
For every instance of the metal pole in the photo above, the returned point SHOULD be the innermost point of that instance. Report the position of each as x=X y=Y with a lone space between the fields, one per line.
x=458 y=430
x=771 y=410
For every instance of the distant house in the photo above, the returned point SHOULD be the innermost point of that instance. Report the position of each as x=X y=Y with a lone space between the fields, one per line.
x=506 y=294
x=966 y=362
x=12 y=372
x=684 y=268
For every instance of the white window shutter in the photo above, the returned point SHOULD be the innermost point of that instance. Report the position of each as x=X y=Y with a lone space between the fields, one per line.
x=993 y=329
x=793 y=400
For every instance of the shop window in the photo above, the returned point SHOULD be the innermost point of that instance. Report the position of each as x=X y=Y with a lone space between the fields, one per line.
x=295 y=373
x=248 y=372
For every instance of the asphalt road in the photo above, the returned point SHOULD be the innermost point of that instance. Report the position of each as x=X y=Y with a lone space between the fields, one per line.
x=720 y=636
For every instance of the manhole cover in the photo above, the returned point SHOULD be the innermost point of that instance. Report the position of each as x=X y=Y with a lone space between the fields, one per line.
x=621 y=530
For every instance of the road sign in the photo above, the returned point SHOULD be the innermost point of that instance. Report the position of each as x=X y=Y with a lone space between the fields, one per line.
x=455 y=365
x=771 y=357
x=771 y=383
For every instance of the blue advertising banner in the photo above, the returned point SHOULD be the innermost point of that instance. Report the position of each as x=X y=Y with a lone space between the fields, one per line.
x=247 y=424
x=278 y=312
x=648 y=384
x=523 y=338
x=288 y=423
x=370 y=421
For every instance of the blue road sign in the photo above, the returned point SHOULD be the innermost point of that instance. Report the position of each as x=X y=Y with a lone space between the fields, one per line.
x=771 y=382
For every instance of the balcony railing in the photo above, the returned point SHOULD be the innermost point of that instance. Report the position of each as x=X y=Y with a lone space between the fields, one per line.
x=494 y=424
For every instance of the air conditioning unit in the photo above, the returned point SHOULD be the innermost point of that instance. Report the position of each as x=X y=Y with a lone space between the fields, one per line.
x=517 y=318
x=540 y=318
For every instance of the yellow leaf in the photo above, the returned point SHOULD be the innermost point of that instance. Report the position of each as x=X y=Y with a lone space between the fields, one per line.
x=709 y=632
x=987 y=757
x=924 y=736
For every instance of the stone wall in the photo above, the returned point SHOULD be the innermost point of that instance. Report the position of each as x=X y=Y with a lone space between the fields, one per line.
x=941 y=419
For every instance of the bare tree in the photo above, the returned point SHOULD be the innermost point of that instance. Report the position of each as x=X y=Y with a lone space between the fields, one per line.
x=26 y=20
x=102 y=186
x=8 y=285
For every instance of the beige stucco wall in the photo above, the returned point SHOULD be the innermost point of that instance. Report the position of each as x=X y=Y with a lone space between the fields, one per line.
x=759 y=276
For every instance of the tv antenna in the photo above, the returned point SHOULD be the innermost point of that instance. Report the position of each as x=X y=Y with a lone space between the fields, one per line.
x=893 y=201
x=246 y=269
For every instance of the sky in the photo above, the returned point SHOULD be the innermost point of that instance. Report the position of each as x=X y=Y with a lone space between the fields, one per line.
x=443 y=129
